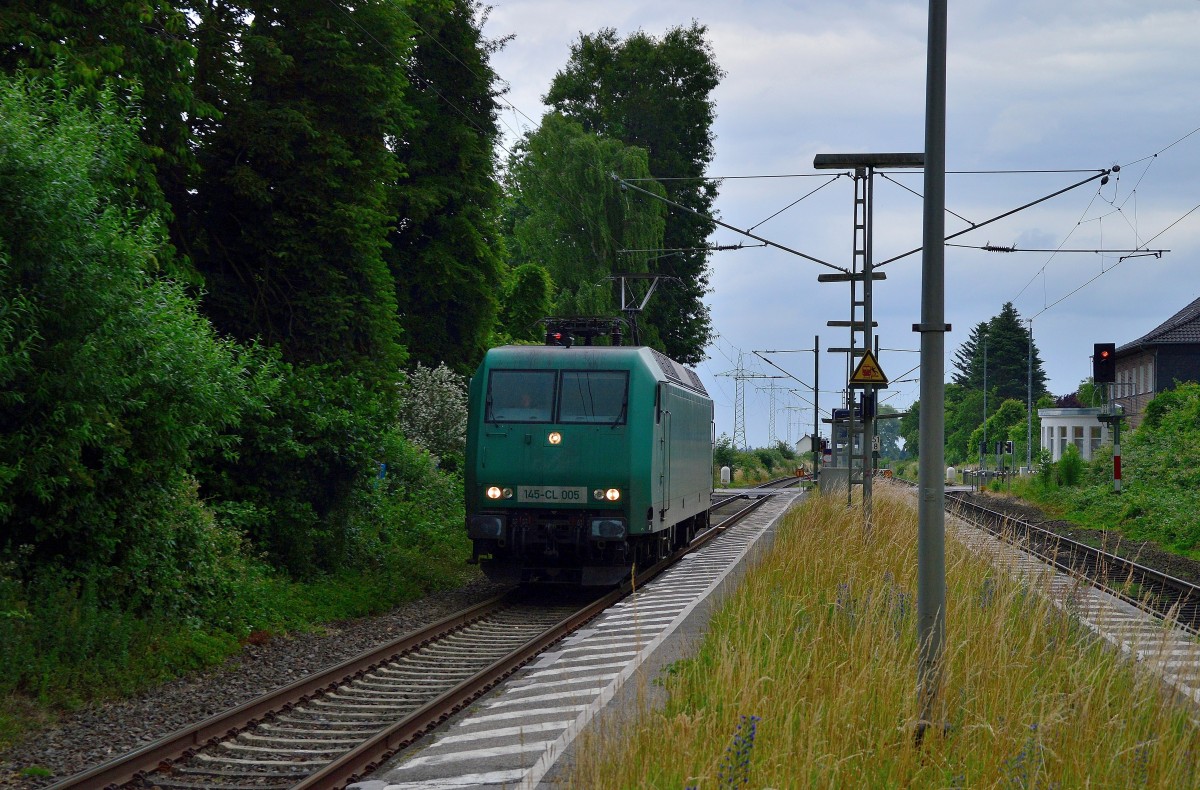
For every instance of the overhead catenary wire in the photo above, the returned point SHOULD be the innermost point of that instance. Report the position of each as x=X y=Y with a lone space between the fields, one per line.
x=1002 y=248
x=886 y=177
x=1143 y=249
x=733 y=178
x=710 y=248
x=726 y=225
x=976 y=226
x=797 y=200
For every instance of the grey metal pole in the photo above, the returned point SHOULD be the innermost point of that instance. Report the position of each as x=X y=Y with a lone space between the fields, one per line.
x=816 y=407
x=1029 y=418
x=931 y=480
x=983 y=454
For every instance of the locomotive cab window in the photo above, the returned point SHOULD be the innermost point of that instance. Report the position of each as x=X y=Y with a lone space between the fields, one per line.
x=594 y=396
x=520 y=396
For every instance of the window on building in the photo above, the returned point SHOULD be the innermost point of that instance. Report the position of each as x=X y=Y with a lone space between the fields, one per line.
x=1095 y=431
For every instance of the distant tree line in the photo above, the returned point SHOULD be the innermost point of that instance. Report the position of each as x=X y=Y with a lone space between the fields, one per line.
x=229 y=227
x=998 y=358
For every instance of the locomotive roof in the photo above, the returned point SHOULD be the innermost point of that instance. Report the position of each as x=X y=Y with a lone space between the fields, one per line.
x=559 y=356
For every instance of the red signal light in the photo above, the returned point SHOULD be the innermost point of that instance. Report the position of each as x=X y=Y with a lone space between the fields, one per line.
x=1104 y=363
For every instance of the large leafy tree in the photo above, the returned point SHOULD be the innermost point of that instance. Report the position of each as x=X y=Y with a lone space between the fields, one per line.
x=112 y=387
x=657 y=94
x=142 y=52
x=888 y=431
x=571 y=218
x=294 y=196
x=291 y=215
x=445 y=253
x=528 y=297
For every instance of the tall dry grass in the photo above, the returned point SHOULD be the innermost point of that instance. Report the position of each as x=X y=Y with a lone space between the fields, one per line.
x=807 y=679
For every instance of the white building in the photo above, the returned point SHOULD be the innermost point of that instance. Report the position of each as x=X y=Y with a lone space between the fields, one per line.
x=1079 y=427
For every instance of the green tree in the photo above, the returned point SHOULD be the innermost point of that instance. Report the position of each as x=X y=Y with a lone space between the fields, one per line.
x=888 y=431
x=112 y=387
x=724 y=453
x=1090 y=394
x=528 y=296
x=1008 y=358
x=1001 y=427
x=656 y=94
x=294 y=194
x=291 y=214
x=143 y=53
x=445 y=253
x=909 y=429
x=572 y=219
x=964 y=413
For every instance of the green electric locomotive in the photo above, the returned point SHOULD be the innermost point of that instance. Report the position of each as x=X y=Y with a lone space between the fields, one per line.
x=584 y=462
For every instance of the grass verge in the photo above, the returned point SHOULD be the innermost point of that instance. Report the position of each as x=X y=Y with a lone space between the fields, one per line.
x=807 y=676
x=61 y=650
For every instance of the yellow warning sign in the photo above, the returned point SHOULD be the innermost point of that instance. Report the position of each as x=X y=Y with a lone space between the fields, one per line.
x=868 y=373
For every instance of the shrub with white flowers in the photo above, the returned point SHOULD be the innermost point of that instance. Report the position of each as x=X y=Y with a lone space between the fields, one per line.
x=433 y=410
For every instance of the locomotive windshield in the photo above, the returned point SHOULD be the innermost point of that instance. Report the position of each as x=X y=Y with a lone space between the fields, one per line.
x=593 y=396
x=520 y=396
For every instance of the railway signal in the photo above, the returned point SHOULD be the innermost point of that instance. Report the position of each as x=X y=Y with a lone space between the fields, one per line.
x=1104 y=363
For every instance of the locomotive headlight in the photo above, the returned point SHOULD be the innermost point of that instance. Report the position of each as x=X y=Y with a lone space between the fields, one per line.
x=612 y=494
x=554 y=438
x=493 y=492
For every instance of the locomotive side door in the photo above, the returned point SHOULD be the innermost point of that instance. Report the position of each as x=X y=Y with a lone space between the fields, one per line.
x=663 y=424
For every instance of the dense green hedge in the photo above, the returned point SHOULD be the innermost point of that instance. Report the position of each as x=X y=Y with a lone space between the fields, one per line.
x=157 y=494
x=1160 y=466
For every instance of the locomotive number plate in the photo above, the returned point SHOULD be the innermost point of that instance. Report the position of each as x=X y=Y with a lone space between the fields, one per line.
x=558 y=495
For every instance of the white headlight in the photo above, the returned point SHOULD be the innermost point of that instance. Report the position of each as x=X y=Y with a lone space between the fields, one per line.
x=612 y=495
x=554 y=438
x=493 y=492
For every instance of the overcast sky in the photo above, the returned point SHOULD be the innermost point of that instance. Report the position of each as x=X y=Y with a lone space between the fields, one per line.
x=1032 y=86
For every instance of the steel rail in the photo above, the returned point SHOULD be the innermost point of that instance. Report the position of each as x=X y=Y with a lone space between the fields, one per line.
x=368 y=756
x=1172 y=598
x=371 y=753
x=134 y=765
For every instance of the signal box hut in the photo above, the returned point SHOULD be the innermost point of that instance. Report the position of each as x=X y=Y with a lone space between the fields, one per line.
x=1080 y=427
x=1155 y=361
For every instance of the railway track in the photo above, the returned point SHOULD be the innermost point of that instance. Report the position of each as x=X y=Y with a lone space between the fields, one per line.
x=1148 y=589
x=332 y=728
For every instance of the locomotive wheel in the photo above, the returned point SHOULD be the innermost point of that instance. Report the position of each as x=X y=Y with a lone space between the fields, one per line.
x=684 y=532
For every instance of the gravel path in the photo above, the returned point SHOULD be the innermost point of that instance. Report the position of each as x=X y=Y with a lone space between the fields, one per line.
x=90 y=736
